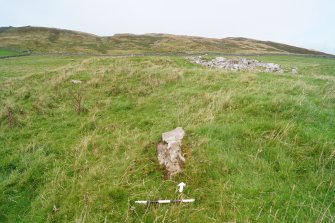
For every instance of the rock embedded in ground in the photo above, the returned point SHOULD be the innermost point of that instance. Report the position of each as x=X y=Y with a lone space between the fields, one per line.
x=273 y=68
x=169 y=152
x=175 y=135
x=295 y=70
x=76 y=81
x=237 y=64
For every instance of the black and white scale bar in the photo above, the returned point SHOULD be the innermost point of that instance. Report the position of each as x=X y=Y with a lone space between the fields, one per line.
x=165 y=201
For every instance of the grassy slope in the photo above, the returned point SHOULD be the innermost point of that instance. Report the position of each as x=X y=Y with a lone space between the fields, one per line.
x=259 y=147
x=48 y=40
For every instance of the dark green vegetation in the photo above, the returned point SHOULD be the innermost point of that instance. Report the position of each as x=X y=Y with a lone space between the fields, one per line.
x=8 y=52
x=49 y=40
x=260 y=147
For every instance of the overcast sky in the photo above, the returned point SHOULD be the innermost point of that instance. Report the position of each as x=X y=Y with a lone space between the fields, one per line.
x=305 y=23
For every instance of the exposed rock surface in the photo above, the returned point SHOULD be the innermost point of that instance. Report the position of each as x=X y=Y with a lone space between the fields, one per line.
x=169 y=151
x=76 y=81
x=295 y=70
x=237 y=64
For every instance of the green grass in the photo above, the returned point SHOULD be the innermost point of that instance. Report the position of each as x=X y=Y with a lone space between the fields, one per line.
x=259 y=147
x=7 y=52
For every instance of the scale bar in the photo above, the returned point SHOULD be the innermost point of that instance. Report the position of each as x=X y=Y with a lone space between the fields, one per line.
x=166 y=201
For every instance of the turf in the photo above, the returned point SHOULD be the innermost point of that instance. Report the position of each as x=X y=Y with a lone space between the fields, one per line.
x=260 y=147
x=6 y=52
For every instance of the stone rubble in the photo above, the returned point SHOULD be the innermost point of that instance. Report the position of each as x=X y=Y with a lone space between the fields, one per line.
x=169 y=151
x=237 y=64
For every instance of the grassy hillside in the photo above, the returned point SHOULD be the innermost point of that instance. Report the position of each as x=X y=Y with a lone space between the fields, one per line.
x=260 y=147
x=49 y=40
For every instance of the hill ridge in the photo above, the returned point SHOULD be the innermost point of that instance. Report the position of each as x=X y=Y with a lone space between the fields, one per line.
x=56 y=40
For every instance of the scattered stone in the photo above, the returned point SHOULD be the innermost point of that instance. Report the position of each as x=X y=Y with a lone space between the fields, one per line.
x=169 y=151
x=237 y=64
x=273 y=68
x=295 y=70
x=76 y=81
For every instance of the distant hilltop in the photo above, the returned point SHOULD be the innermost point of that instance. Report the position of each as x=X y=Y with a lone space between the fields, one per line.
x=52 y=40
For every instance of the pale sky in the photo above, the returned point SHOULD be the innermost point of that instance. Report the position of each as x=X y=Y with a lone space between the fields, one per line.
x=304 y=23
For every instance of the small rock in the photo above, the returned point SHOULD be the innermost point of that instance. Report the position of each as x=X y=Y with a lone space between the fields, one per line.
x=295 y=70
x=271 y=68
x=175 y=135
x=76 y=81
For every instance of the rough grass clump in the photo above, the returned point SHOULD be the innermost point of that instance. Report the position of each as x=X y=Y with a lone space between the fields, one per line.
x=9 y=115
x=78 y=99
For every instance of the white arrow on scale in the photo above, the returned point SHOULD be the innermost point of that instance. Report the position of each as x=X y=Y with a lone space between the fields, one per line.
x=181 y=186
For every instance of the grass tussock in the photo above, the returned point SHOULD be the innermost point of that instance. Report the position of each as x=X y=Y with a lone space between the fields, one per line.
x=9 y=114
x=78 y=99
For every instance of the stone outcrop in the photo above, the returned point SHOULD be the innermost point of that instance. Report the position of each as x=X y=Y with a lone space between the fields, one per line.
x=169 y=151
x=237 y=64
